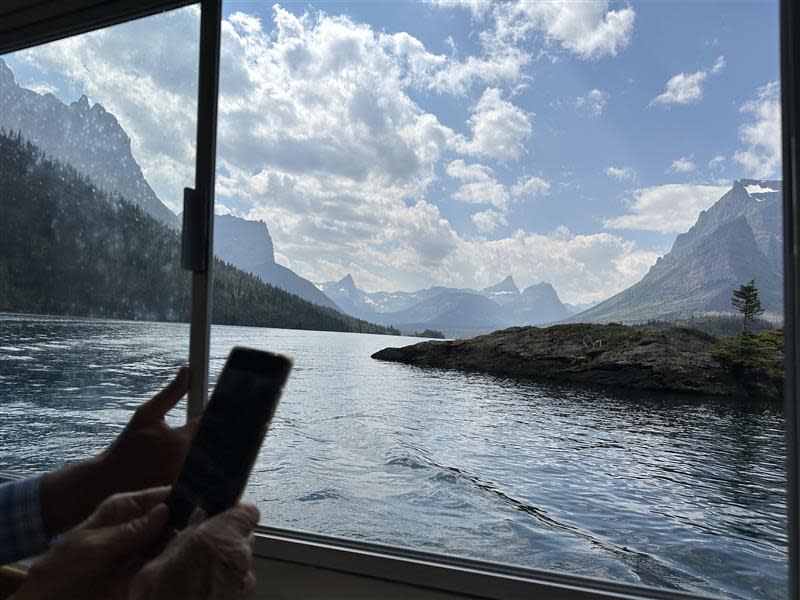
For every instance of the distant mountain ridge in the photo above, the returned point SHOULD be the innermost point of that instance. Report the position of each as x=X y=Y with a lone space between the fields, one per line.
x=91 y=140
x=68 y=248
x=455 y=311
x=739 y=238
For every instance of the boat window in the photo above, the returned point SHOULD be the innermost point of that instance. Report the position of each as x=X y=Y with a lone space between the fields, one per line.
x=96 y=145
x=574 y=206
x=452 y=169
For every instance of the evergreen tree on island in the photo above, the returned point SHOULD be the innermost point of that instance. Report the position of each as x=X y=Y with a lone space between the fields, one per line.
x=747 y=302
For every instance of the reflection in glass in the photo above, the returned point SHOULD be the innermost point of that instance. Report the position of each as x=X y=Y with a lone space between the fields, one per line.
x=91 y=176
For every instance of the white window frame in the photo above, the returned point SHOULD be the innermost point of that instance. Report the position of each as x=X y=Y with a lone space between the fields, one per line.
x=24 y=24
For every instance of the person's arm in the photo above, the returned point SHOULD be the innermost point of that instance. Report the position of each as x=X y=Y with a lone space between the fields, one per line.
x=70 y=494
x=123 y=550
x=147 y=453
x=22 y=531
x=97 y=559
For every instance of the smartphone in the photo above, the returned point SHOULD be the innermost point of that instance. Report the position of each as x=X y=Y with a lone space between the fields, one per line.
x=230 y=434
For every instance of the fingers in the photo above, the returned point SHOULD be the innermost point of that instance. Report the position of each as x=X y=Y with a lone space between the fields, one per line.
x=190 y=428
x=125 y=507
x=136 y=534
x=160 y=404
x=241 y=519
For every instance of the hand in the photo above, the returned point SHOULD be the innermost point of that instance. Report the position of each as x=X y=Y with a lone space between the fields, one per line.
x=98 y=558
x=212 y=560
x=147 y=453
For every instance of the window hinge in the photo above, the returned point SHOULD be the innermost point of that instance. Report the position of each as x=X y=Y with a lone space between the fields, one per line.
x=194 y=244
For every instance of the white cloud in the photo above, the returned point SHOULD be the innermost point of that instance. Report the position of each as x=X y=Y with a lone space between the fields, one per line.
x=762 y=134
x=450 y=74
x=682 y=89
x=589 y=30
x=477 y=8
x=41 y=87
x=222 y=209
x=670 y=208
x=483 y=192
x=716 y=162
x=621 y=173
x=319 y=137
x=583 y=268
x=504 y=65
x=684 y=164
x=478 y=185
x=530 y=186
x=594 y=102
x=487 y=221
x=498 y=128
x=458 y=169
x=685 y=88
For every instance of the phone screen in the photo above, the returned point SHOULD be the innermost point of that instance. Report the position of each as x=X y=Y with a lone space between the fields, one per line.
x=231 y=431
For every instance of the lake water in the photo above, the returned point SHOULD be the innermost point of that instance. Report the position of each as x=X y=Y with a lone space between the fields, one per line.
x=678 y=492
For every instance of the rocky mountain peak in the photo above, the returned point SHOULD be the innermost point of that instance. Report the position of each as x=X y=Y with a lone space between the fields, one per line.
x=347 y=283
x=737 y=239
x=86 y=136
x=81 y=103
x=244 y=243
x=505 y=286
x=540 y=289
x=6 y=75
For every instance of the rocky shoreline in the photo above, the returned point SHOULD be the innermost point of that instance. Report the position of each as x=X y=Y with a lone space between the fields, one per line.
x=670 y=359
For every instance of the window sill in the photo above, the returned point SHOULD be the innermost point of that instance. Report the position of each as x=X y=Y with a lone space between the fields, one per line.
x=297 y=564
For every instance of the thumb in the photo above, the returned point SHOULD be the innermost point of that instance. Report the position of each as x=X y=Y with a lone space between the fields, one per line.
x=133 y=535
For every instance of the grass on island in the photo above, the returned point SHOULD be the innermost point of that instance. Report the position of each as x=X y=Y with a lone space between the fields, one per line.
x=760 y=351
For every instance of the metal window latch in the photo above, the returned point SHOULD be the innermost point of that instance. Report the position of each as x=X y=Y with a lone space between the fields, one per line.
x=194 y=243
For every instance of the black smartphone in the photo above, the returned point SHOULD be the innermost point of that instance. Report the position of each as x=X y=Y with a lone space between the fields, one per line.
x=230 y=434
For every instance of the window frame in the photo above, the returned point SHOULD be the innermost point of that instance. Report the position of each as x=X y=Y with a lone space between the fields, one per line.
x=790 y=129
x=24 y=24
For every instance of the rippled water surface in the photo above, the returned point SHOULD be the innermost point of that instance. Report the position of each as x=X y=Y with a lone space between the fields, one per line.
x=678 y=492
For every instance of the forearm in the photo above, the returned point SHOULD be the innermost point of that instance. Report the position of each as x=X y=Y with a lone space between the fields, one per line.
x=71 y=494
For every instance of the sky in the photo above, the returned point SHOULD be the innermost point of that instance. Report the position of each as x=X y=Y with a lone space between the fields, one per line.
x=450 y=142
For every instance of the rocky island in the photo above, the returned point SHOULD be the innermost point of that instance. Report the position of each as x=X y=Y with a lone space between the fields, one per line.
x=659 y=358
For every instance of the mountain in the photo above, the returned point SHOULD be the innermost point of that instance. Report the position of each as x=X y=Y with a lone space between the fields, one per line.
x=68 y=248
x=504 y=292
x=450 y=312
x=371 y=305
x=248 y=245
x=739 y=238
x=348 y=297
x=538 y=304
x=455 y=311
x=580 y=307
x=87 y=137
x=390 y=302
x=91 y=140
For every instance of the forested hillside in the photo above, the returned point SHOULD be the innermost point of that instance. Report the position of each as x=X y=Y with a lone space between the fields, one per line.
x=68 y=248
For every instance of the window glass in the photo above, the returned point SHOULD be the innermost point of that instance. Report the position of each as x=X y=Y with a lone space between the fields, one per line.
x=96 y=144
x=459 y=168
x=590 y=186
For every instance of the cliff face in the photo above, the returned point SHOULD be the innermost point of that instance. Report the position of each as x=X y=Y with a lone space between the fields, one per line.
x=738 y=239
x=248 y=245
x=661 y=359
x=87 y=137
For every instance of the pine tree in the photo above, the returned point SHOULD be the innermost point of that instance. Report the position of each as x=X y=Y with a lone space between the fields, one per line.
x=747 y=302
